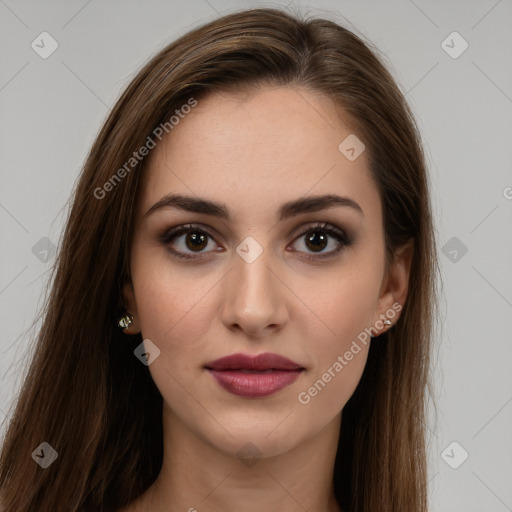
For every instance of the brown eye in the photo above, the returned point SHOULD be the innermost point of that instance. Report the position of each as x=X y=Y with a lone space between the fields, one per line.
x=191 y=241
x=318 y=238
x=317 y=241
x=183 y=241
x=196 y=240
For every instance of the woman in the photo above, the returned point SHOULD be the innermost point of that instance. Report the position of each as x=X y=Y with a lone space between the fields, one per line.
x=242 y=309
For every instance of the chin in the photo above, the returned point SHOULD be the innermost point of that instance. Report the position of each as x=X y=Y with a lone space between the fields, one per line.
x=265 y=436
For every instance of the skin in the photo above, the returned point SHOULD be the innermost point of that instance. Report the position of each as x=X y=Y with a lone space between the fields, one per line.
x=252 y=153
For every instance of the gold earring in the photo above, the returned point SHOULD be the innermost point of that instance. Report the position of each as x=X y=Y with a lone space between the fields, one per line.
x=125 y=321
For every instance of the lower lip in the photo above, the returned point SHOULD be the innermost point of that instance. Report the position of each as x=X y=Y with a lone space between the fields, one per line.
x=255 y=384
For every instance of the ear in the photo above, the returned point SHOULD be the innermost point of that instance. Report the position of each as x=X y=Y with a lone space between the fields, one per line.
x=394 y=288
x=131 y=308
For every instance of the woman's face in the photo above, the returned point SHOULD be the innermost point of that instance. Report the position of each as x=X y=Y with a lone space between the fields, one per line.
x=248 y=278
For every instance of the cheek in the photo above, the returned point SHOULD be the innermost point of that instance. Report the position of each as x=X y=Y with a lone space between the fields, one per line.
x=340 y=305
x=327 y=392
x=339 y=359
x=170 y=298
x=175 y=306
x=174 y=311
x=343 y=308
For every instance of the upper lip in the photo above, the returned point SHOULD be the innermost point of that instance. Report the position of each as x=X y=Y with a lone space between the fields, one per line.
x=266 y=361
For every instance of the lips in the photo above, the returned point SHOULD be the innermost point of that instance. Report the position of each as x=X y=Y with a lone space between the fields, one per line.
x=254 y=376
x=260 y=362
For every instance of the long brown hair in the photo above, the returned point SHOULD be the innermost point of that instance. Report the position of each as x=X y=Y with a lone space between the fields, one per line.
x=85 y=393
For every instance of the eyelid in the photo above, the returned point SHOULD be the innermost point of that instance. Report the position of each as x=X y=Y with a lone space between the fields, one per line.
x=326 y=226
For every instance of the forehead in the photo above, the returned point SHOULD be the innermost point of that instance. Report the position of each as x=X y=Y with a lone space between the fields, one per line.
x=270 y=146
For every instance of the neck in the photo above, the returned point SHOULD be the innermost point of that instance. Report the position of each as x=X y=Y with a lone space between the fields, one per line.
x=197 y=476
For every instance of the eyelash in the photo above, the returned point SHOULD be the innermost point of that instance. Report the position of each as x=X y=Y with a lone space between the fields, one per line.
x=323 y=227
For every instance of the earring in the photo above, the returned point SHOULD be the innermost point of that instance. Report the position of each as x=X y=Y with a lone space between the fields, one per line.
x=387 y=323
x=125 y=321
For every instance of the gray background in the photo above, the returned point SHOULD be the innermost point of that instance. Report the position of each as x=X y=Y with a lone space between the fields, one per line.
x=51 y=110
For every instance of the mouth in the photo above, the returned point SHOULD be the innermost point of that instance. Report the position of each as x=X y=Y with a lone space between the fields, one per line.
x=254 y=376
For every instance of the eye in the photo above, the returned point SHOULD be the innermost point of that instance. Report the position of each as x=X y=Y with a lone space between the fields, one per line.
x=193 y=240
x=184 y=241
x=316 y=239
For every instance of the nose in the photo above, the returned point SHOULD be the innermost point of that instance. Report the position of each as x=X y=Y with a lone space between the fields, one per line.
x=254 y=298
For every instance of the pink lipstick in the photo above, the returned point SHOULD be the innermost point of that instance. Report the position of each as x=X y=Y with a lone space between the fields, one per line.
x=254 y=376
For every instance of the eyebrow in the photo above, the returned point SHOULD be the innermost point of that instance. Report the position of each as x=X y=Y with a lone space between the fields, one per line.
x=287 y=210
